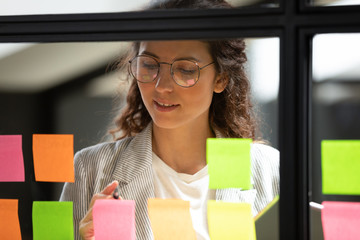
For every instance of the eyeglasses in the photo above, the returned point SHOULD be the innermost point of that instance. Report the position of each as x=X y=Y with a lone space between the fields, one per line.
x=146 y=69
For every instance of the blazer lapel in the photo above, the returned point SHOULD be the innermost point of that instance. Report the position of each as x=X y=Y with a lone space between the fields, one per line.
x=135 y=175
x=136 y=157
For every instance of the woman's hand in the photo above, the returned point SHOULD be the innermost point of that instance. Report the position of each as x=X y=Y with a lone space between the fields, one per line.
x=86 y=226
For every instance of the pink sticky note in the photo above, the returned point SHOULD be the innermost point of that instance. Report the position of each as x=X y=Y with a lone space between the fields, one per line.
x=11 y=159
x=341 y=220
x=114 y=219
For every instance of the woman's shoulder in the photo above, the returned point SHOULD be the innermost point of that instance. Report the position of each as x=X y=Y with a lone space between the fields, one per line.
x=108 y=153
x=265 y=174
x=264 y=155
x=265 y=150
x=104 y=150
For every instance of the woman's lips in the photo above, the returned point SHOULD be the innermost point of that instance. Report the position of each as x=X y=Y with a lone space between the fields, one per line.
x=165 y=107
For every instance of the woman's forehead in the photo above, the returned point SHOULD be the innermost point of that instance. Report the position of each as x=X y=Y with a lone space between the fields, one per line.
x=171 y=49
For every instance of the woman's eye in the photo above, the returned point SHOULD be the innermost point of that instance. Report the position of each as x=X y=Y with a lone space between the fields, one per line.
x=186 y=71
x=149 y=66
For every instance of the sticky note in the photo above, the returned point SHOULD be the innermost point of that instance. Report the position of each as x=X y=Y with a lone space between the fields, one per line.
x=229 y=163
x=267 y=208
x=171 y=219
x=341 y=220
x=9 y=220
x=52 y=220
x=11 y=159
x=53 y=157
x=230 y=221
x=114 y=219
x=340 y=160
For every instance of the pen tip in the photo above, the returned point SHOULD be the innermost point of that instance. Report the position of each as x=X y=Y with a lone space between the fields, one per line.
x=116 y=194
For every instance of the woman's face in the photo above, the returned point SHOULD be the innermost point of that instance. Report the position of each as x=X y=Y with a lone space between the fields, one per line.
x=170 y=105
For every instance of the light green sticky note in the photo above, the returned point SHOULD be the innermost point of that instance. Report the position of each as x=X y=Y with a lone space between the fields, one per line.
x=340 y=161
x=52 y=220
x=229 y=163
x=230 y=221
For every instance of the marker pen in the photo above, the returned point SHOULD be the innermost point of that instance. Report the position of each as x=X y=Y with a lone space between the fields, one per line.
x=116 y=194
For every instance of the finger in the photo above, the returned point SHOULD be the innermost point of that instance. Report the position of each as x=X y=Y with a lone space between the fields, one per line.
x=99 y=196
x=88 y=217
x=108 y=190
x=86 y=230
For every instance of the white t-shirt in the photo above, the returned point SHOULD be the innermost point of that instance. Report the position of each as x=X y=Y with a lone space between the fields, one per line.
x=193 y=188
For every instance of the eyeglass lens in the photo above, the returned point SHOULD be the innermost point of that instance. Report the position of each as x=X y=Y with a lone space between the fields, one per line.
x=146 y=69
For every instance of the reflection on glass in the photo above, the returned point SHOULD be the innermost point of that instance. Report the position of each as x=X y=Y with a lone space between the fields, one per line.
x=69 y=88
x=335 y=107
x=10 y=7
x=332 y=3
x=258 y=3
x=263 y=53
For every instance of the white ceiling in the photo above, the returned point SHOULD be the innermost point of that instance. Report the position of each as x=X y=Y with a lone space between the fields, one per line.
x=37 y=67
x=26 y=7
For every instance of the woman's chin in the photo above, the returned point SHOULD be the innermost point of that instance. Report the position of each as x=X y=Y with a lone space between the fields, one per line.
x=166 y=123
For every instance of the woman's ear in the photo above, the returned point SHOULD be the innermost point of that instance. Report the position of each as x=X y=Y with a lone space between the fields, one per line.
x=221 y=82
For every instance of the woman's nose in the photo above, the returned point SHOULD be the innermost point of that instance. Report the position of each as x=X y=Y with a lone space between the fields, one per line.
x=164 y=81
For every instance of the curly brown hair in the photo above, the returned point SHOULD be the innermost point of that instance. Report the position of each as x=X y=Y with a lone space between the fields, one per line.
x=230 y=112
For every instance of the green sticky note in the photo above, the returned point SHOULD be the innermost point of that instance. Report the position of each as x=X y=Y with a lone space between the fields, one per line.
x=340 y=160
x=229 y=163
x=53 y=220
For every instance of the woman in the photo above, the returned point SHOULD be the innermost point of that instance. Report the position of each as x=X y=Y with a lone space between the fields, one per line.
x=182 y=92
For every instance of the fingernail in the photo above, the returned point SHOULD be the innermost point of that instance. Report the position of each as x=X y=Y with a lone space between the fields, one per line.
x=111 y=183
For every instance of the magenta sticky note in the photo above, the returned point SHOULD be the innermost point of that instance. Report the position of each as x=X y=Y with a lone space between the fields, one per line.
x=114 y=219
x=341 y=220
x=11 y=159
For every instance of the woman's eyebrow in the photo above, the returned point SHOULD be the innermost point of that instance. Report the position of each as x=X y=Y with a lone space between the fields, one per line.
x=189 y=58
x=181 y=58
x=149 y=53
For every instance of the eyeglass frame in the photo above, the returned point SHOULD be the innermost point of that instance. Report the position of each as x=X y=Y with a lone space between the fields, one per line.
x=171 y=71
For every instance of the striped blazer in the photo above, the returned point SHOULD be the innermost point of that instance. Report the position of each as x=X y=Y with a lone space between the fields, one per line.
x=130 y=162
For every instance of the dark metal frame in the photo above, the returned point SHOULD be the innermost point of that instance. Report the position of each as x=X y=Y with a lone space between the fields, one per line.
x=294 y=22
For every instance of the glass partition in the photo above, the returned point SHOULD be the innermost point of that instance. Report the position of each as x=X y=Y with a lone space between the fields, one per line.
x=69 y=88
x=335 y=119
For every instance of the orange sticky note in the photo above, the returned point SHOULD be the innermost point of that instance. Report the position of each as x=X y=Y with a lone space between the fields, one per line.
x=171 y=219
x=9 y=220
x=53 y=157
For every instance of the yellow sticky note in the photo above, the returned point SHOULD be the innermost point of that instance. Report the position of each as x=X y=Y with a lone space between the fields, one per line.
x=171 y=219
x=53 y=157
x=9 y=220
x=230 y=221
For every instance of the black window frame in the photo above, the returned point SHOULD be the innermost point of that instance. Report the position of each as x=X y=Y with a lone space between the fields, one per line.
x=294 y=23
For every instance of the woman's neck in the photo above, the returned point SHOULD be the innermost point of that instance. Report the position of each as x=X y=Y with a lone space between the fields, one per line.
x=183 y=149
